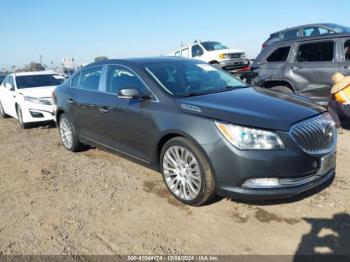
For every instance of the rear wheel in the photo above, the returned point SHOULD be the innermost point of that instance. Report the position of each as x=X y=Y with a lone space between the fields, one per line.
x=2 y=111
x=282 y=89
x=186 y=172
x=20 y=118
x=68 y=136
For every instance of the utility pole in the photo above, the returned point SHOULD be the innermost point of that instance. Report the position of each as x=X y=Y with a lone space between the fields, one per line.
x=41 y=59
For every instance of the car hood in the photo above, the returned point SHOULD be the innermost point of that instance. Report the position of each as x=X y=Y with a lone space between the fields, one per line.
x=253 y=107
x=226 y=51
x=44 y=91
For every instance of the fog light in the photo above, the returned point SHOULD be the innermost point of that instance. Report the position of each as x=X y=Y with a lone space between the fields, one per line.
x=262 y=183
x=36 y=114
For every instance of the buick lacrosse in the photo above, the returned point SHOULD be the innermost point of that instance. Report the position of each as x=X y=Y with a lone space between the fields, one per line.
x=204 y=130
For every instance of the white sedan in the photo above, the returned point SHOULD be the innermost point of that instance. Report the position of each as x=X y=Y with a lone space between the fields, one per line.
x=27 y=96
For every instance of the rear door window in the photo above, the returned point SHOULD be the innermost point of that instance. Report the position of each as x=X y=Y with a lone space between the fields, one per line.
x=75 y=81
x=90 y=79
x=316 y=52
x=279 y=55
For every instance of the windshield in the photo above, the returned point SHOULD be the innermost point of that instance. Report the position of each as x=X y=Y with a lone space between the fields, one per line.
x=190 y=78
x=30 y=81
x=211 y=46
x=339 y=28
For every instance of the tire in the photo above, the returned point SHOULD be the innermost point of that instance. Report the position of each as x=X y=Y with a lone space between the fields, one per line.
x=2 y=111
x=22 y=125
x=68 y=135
x=282 y=89
x=195 y=188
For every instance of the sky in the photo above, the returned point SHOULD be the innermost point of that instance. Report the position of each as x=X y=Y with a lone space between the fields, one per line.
x=84 y=29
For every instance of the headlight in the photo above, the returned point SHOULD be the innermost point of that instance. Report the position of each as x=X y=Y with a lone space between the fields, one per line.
x=223 y=56
x=43 y=101
x=245 y=138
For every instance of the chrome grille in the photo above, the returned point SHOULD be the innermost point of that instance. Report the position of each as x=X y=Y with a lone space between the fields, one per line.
x=235 y=55
x=316 y=135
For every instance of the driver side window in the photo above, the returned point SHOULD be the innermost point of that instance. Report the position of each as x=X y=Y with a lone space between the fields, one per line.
x=197 y=51
x=9 y=80
x=119 y=77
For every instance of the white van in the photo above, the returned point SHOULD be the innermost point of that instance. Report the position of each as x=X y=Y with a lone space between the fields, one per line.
x=232 y=60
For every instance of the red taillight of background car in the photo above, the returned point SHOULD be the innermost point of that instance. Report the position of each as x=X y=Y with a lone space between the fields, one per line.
x=244 y=69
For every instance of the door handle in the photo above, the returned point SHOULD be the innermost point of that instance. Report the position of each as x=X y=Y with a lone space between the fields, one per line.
x=103 y=110
x=70 y=101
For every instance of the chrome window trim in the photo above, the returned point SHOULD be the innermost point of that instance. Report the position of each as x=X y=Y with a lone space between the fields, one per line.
x=158 y=81
x=103 y=79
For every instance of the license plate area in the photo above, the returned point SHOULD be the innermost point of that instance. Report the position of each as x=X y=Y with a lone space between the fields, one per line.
x=327 y=163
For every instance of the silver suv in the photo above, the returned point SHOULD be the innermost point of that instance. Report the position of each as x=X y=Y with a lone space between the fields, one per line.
x=302 y=66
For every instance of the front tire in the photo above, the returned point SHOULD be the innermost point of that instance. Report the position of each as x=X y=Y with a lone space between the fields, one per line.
x=186 y=172
x=22 y=125
x=68 y=136
x=282 y=89
x=2 y=111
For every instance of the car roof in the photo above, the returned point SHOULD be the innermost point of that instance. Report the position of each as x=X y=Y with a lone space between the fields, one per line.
x=307 y=25
x=35 y=73
x=143 y=60
x=311 y=38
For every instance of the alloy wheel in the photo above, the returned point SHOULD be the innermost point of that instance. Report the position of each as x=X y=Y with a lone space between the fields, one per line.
x=2 y=112
x=182 y=172
x=20 y=116
x=66 y=132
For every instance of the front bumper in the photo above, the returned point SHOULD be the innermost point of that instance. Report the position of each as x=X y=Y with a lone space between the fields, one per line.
x=234 y=64
x=33 y=113
x=233 y=167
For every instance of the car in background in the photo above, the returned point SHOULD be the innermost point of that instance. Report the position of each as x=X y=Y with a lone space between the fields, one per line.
x=27 y=96
x=302 y=66
x=215 y=53
x=310 y=30
x=202 y=128
x=2 y=77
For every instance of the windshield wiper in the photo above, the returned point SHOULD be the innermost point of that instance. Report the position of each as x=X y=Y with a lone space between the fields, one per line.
x=213 y=91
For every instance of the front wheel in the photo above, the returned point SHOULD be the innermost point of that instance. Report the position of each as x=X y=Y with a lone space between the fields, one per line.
x=2 y=111
x=186 y=172
x=20 y=118
x=282 y=89
x=67 y=133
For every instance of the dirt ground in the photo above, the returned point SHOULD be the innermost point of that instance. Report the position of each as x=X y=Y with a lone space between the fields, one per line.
x=94 y=202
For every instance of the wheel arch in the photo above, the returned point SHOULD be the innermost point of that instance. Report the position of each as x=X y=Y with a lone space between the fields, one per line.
x=165 y=137
x=272 y=83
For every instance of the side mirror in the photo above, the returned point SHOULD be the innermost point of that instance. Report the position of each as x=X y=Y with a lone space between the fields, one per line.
x=129 y=93
x=9 y=87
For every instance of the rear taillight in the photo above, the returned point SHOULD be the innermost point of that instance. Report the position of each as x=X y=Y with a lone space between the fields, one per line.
x=264 y=45
x=244 y=69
